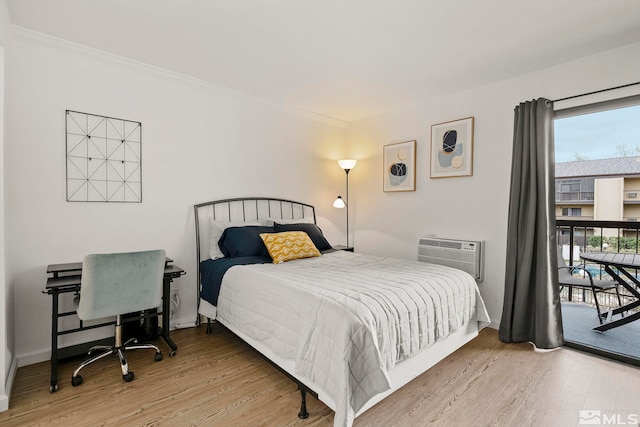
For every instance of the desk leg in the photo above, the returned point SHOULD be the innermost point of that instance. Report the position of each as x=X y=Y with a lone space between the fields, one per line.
x=166 y=309
x=53 y=387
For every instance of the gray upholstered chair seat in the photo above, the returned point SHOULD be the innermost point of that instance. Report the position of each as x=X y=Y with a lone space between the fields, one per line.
x=117 y=284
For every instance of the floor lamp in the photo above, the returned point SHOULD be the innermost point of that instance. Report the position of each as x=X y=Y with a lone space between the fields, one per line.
x=347 y=165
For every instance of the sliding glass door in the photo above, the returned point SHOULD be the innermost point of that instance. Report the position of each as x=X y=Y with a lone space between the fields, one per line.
x=597 y=154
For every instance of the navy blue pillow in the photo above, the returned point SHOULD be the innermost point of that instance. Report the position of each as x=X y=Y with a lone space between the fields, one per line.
x=244 y=241
x=312 y=230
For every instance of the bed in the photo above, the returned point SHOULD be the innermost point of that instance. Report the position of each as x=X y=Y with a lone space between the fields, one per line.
x=348 y=328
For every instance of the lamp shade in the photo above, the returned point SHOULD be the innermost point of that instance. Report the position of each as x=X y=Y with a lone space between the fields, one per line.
x=339 y=203
x=347 y=164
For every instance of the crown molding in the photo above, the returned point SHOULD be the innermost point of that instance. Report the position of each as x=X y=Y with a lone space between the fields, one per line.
x=22 y=33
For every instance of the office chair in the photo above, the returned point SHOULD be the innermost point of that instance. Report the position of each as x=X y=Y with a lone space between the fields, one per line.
x=566 y=278
x=117 y=284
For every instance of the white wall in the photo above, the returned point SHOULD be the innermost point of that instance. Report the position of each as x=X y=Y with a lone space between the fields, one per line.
x=199 y=143
x=466 y=207
x=7 y=361
x=608 y=200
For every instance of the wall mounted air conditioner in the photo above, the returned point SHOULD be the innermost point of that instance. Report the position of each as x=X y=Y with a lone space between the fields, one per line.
x=466 y=255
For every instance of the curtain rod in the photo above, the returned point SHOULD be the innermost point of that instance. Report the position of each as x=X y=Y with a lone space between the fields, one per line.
x=596 y=91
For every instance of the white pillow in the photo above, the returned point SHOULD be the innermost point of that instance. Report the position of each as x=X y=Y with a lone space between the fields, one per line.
x=217 y=228
x=306 y=220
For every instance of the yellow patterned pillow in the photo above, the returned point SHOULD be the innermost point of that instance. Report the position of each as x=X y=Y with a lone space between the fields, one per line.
x=289 y=245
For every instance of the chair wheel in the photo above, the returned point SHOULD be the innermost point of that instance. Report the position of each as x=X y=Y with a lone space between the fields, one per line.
x=158 y=357
x=128 y=377
x=76 y=381
x=53 y=388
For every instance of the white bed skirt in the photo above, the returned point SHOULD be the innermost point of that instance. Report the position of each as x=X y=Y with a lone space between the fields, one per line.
x=207 y=309
x=400 y=375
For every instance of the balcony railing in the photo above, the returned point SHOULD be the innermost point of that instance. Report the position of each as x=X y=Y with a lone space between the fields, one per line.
x=574 y=196
x=597 y=236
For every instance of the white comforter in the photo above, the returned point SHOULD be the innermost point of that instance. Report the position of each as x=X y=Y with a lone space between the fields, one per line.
x=346 y=319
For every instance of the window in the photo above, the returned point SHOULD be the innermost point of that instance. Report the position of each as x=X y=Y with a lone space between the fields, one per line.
x=595 y=143
x=571 y=211
x=574 y=189
x=603 y=130
x=570 y=187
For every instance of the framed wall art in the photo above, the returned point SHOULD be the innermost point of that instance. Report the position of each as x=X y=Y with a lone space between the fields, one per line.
x=452 y=148
x=104 y=159
x=399 y=166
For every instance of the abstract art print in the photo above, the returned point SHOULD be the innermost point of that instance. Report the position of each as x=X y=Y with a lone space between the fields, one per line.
x=399 y=166
x=452 y=148
x=104 y=159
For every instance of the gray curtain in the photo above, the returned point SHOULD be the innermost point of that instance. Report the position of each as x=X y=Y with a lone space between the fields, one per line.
x=531 y=310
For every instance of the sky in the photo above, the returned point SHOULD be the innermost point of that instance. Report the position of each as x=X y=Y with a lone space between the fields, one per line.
x=598 y=135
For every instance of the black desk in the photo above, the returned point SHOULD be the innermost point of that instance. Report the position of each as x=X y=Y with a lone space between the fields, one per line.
x=621 y=262
x=65 y=278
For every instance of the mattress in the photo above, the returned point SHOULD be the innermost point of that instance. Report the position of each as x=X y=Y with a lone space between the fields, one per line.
x=344 y=320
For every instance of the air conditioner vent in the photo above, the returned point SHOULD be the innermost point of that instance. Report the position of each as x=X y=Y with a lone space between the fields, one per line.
x=466 y=255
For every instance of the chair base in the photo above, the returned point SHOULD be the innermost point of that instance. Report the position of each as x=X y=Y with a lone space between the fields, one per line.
x=118 y=349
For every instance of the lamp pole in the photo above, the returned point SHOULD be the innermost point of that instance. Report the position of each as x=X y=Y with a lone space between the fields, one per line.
x=347 y=204
x=347 y=165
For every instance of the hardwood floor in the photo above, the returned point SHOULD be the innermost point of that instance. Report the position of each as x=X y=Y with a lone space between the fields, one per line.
x=216 y=380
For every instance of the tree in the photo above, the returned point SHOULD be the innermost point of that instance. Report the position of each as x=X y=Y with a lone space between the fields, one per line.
x=623 y=150
x=580 y=157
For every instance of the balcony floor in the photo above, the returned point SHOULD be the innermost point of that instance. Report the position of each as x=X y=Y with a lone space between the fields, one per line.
x=623 y=341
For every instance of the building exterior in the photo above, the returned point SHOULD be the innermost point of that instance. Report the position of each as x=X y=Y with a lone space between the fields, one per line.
x=602 y=190
x=599 y=190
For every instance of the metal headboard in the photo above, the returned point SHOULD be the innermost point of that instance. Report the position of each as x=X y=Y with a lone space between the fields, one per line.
x=242 y=209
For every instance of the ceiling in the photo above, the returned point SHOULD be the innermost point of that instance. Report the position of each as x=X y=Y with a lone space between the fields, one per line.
x=343 y=59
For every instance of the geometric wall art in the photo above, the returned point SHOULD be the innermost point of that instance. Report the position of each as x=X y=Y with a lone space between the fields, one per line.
x=452 y=148
x=104 y=159
x=399 y=167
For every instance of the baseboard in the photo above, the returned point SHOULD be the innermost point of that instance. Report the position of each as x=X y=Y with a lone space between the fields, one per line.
x=181 y=323
x=11 y=376
x=42 y=356
x=35 y=357
x=495 y=324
